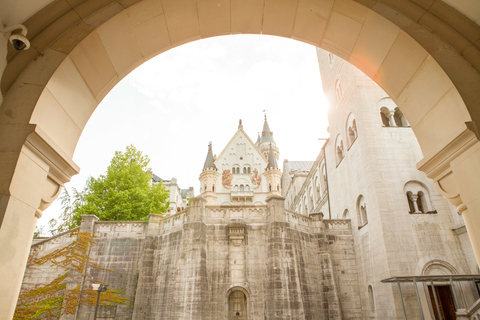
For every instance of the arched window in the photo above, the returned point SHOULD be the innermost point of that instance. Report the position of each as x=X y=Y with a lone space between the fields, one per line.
x=351 y=129
x=418 y=198
x=371 y=299
x=400 y=119
x=361 y=212
x=244 y=169
x=242 y=188
x=310 y=195
x=235 y=188
x=324 y=178
x=247 y=187
x=235 y=169
x=317 y=187
x=339 y=149
x=269 y=187
x=330 y=57
x=346 y=214
x=248 y=170
x=385 y=114
x=338 y=90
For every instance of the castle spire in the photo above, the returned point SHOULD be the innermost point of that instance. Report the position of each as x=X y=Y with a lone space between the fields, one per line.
x=209 y=161
x=272 y=162
x=266 y=141
x=267 y=135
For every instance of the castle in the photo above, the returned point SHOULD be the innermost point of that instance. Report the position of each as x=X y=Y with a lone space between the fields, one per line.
x=358 y=233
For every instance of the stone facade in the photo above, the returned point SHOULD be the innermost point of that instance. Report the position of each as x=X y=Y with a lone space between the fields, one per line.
x=192 y=264
x=401 y=224
x=313 y=243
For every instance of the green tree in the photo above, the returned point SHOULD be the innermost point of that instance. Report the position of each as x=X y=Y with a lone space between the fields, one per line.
x=124 y=193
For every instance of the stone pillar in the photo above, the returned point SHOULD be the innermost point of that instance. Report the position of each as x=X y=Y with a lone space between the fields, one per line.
x=466 y=170
x=153 y=227
x=32 y=177
x=414 y=199
x=392 y=119
x=196 y=209
x=455 y=169
x=276 y=208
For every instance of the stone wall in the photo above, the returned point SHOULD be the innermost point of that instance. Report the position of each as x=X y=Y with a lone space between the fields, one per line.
x=185 y=266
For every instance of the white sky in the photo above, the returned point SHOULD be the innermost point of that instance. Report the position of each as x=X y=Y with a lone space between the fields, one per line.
x=173 y=105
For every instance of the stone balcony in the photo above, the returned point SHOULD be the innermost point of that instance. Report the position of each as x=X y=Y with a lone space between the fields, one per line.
x=241 y=195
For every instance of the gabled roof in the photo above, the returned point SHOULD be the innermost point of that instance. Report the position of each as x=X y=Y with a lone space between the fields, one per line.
x=240 y=130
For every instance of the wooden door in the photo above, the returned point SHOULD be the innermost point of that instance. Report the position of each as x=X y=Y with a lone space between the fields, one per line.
x=445 y=303
x=237 y=306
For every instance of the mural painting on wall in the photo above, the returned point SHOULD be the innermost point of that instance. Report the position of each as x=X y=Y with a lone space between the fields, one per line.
x=255 y=178
x=227 y=178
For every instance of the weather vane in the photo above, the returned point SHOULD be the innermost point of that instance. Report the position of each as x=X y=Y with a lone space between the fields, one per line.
x=265 y=112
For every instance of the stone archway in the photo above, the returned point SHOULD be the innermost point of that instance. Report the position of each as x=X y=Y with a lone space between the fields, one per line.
x=238 y=304
x=423 y=56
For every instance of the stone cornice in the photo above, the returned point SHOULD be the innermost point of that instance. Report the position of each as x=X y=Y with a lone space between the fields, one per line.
x=61 y=167
x=438 y=165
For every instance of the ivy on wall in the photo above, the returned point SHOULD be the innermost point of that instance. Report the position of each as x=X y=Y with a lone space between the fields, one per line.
x=63 y=295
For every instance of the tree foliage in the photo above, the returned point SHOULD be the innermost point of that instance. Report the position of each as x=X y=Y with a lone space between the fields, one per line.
x=124 y=193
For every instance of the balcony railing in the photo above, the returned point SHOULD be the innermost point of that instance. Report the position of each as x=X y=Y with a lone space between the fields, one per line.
x=241 y=195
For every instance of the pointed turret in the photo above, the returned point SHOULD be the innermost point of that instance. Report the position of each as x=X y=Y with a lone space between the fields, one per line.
x=257 y=143
x=208 y=178
x=266 y=141
x=273 y=174
x=209 y=161
x=267 y=135
x=272 y=162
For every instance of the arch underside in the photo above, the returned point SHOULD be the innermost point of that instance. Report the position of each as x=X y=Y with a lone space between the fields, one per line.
x=79 y=53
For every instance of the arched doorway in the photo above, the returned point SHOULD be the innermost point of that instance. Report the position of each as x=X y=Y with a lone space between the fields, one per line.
x=423 y=56
x=237 y=304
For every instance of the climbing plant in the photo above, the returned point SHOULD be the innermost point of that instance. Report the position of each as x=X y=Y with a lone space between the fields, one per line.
x=64 y=294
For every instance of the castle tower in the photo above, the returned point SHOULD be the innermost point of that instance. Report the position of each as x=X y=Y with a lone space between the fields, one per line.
x=208 y=178
x=273 y=174
x=265 y=141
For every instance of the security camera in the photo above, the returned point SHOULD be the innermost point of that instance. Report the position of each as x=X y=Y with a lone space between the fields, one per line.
x=18 y=41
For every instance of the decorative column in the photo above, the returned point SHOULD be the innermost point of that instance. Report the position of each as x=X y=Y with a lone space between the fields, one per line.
x=414 y=198
x=392 y=118
x=33 y=173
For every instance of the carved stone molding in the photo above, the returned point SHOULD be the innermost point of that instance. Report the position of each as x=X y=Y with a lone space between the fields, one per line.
x=438 y=166
x=236 y=233
x=60 y=167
